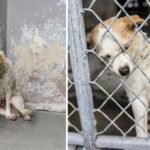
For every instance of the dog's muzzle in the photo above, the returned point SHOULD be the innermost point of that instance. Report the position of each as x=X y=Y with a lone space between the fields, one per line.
x=124 y=71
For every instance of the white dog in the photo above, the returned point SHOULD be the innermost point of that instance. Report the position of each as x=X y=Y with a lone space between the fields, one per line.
x=9 y=93
x=123 y=65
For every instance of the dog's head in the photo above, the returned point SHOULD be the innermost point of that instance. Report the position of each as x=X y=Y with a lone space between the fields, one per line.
x=123 y=30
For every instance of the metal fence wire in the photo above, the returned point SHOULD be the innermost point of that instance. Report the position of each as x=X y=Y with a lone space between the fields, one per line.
x=91 y=125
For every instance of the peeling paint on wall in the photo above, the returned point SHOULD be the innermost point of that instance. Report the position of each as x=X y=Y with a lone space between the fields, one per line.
x=61 y=2
x=38 y=54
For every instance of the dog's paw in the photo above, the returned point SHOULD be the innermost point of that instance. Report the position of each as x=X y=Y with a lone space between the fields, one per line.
x=29 y=112
x=12 y=116
x=27 y=118
x=26 y=112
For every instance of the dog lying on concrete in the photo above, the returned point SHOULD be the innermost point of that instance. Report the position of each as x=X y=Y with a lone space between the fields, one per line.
x=12 y=103
x=122 y=64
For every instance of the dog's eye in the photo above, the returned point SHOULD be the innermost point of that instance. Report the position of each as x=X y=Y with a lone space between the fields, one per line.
x=107 y=57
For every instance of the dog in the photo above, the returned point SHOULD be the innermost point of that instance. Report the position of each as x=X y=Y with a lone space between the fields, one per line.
x=124 y=57
x=12 y=103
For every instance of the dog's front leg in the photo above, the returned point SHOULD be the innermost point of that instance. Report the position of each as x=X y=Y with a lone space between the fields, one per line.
x=8 y=114
x=139 y=107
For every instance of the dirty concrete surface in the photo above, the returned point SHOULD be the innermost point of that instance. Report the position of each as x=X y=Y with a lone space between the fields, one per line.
x=45 y=131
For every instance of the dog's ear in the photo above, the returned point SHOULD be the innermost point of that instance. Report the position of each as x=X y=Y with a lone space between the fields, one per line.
x=130 y=24
x=88 y=38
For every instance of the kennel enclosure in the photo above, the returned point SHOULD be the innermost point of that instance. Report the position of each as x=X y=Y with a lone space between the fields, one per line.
x=87 y=136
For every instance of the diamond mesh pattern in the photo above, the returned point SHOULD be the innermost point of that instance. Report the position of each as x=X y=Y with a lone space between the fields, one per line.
x=110 y=96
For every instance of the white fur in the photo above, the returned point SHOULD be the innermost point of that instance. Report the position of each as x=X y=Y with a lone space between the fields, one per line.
x=136 y=80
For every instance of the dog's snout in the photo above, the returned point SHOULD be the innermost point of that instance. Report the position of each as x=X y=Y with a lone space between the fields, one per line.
x=124 y=70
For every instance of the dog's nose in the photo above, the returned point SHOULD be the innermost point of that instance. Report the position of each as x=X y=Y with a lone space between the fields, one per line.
x=124 y=70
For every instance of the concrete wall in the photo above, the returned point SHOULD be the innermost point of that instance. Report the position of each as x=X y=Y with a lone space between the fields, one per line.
x=3 y=22
x=36 y=46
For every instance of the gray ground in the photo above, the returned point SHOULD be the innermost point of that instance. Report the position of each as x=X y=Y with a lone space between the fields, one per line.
x=46 y=131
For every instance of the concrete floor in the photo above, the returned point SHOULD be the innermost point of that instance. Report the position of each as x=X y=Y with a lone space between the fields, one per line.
x=45 y=131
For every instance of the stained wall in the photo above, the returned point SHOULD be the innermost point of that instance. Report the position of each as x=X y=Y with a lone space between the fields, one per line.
x=36 y=46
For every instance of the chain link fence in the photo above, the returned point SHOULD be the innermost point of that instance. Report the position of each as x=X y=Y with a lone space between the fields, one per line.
x=98 y=117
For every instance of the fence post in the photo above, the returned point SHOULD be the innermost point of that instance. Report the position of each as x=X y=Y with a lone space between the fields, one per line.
x=81 y=75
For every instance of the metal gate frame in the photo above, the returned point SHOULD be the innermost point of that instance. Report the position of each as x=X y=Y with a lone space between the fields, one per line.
x=79 y=62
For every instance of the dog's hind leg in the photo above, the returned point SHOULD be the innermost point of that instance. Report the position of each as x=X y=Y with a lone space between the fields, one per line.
x=140 y=110
x=18 y=102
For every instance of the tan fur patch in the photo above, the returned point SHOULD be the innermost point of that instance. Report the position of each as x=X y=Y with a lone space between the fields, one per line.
x=124 y=27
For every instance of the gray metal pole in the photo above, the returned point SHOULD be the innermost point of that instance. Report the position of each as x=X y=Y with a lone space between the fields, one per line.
x=75 y=139
x=132 y=143
x=80 y=68
x=115 y=142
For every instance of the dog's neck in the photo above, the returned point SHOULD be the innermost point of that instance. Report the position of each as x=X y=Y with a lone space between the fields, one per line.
x=142 y=57
x=139 y=47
